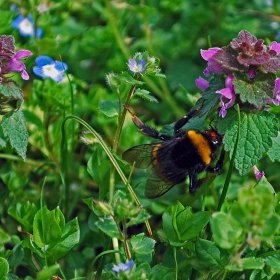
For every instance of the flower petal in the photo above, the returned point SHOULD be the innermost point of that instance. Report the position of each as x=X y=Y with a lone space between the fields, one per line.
x=61 y=66
x=201 y=83
x=208 y=54
x=43 y=60
x=22 y=54
x=275 y=46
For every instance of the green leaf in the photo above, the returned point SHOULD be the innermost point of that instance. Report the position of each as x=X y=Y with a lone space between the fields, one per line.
x=24 y=213
x=127 y=78
x=180 y=224
x=4 y=268
x=109 y=227
x=47 y=273
x=17 y=256
x=109 y=108
x=247 y=263
x=98 y=167
x=69 y=238
x=226 y=231
x=256 y=131
x=4 y=237
x=198 y=222
x=168 y=227
x=14 y=128
x=48 y=226
x=256 y=92
x=161 y=272
x=145 y=95
x=274 y=262
x=140 y=218
x=273 y=152
x=207 y=253
x=142 y=245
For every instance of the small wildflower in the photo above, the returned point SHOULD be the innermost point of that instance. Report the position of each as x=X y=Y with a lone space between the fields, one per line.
x=137 y=67
x=201 y=83
x=227 y=95
x=275 y=47
x=48 y=68
x=26 y=26
x=257 y=173
x=123 y=267
x=42 y=8
x=15 y=65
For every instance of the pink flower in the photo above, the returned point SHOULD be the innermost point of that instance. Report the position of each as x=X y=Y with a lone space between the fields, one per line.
x=257 y=173
x=15 y=65
x=275 y=47
x=212 y=65
x=276 y=92
x=201 y=83
x=227 y=95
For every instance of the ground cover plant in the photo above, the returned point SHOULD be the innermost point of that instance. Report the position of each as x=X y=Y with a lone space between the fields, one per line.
x=79 y=80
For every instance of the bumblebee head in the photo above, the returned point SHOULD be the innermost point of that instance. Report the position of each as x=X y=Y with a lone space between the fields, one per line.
x=215 y=138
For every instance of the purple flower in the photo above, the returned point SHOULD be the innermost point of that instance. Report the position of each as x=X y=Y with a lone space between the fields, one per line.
x=257 y=173
x=48 y=68
x=227 y=95
x=275 y=47
x=15 y=65
x=137 y=67
x=276 y=92
x=201 y=83
x=123 y=267
x=26 y=26
x=212 y=66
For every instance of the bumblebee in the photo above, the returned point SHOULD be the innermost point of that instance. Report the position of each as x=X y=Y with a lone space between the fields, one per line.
x=170 y=161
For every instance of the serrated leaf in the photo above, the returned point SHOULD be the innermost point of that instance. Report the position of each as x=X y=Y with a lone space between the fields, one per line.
x=255 y=92
x=109 y=227
x=14 y=128
x=109 y=108
x=273 y=152
x=141 y=244
x=145 y=95
x=256 y=131
x=10 y=91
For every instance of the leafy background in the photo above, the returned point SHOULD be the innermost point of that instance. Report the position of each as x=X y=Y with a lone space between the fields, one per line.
x=95 y=38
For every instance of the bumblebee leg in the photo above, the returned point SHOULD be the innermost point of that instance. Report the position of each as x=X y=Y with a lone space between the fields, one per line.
x=196 y=183
x=147 y=130
x=180 y=123
x=219 y=164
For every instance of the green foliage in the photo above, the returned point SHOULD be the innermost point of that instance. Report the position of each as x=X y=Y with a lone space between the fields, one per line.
x=61 y=143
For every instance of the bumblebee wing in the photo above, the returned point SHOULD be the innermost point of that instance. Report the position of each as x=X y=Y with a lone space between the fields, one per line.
x=155 y=185
x=162 y=174
x=140 y=154
x=158 y=184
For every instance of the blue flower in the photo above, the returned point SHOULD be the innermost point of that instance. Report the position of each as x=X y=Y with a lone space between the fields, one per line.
x=137 y=67
x=48 y=68
x=123 y=267
x=26 y=26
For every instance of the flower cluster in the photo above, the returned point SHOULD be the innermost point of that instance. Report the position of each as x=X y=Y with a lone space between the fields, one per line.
x=143 y=63
x=250 y=68
x=9 y=60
